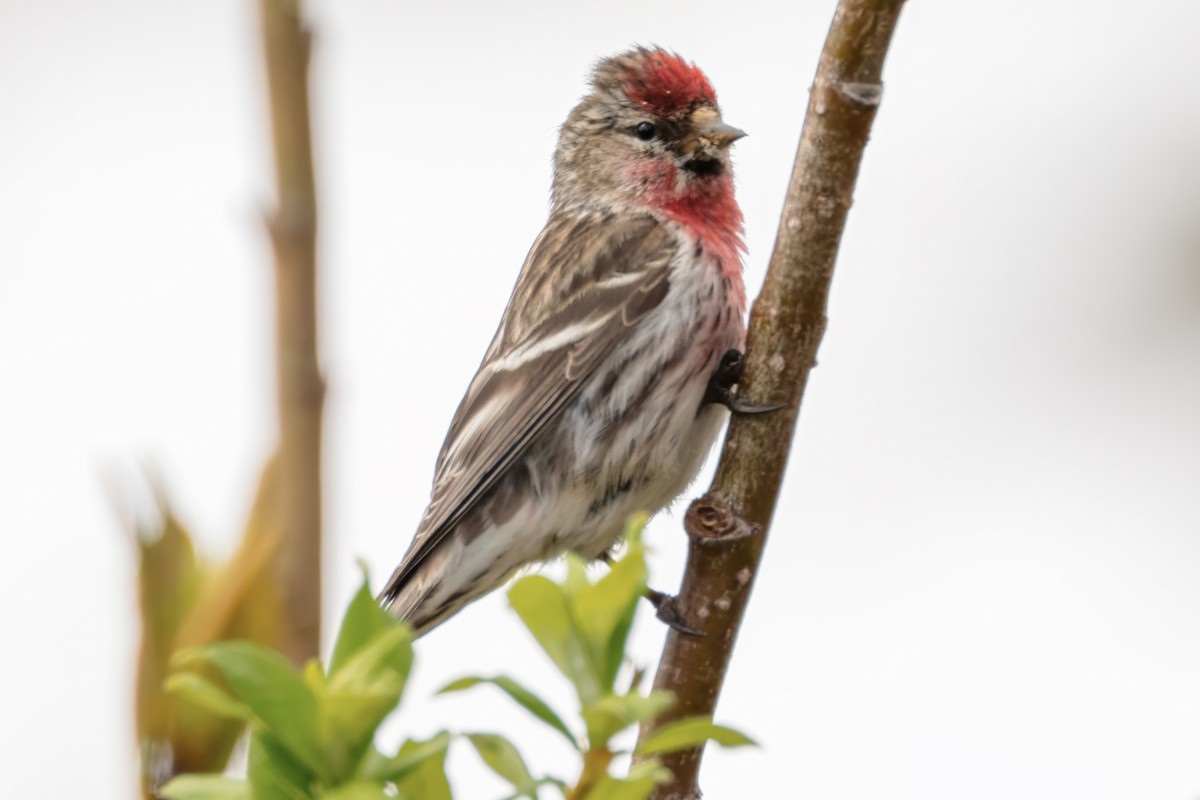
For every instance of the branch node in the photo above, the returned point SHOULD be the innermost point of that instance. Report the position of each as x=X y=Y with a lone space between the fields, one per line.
x=866 y=95
x=292 y=221
x=307 y=389
x=712 y=520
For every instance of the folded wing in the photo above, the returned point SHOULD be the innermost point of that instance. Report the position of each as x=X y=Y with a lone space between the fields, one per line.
x=587 y=281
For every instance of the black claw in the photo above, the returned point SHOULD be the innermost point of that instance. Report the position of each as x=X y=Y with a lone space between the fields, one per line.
x=738 y=407
x=729 y=371
x=724 y=379
x=666 y=610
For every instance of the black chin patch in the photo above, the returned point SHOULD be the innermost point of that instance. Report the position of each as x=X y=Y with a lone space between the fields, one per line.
x=703 y=166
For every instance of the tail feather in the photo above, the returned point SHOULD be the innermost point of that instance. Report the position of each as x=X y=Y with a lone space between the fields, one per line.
x=452 y=576
x=409 y=594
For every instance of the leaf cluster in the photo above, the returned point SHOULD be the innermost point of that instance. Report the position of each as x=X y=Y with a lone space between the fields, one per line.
x=583 y=627
x=187 y=600
x=312 y=732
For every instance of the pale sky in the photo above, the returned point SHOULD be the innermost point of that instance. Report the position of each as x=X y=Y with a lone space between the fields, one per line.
x=983 y=578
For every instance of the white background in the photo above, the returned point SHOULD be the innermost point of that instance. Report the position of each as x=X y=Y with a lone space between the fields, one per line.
x=984 y=579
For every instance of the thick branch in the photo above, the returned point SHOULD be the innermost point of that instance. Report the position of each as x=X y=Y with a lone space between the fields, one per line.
x=293 y=229
x=728 y=526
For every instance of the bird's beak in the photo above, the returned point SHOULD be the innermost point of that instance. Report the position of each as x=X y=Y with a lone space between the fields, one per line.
x=716 y=132
x=711 y=130
x=705 y=149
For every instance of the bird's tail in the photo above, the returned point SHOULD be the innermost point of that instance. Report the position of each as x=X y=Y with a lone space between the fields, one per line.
x=423 y=595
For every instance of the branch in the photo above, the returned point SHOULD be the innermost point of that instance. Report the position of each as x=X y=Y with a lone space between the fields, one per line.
x=727 y=527
x=293 y=230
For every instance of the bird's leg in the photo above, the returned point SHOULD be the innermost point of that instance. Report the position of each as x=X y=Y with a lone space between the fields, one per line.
x=666 y=609
x=724 y=378
x=664 y=604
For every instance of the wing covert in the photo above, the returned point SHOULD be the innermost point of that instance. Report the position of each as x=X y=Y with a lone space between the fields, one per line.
x=586 y=282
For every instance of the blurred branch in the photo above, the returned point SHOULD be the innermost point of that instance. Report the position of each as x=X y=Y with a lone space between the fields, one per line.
x=270 y=590
x=293 y=229
x=727 y=527
x=185 y=600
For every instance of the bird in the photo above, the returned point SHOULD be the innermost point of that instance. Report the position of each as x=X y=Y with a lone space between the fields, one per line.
x=615 y=361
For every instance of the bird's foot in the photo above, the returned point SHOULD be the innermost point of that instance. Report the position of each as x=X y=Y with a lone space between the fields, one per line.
x=724 y=379
x=667 y=610
x=665 y=606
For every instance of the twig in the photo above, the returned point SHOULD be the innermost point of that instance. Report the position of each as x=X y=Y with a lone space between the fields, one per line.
x=293 y=229
x=727 y=527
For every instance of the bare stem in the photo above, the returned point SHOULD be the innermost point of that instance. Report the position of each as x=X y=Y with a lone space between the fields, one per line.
x=293 y=229
x=727 y=527
x=595 y=768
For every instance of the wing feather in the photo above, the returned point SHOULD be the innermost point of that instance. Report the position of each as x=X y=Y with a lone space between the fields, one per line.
x=585 y=283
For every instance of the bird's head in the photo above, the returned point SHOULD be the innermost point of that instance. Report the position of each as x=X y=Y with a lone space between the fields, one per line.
x=648 y=134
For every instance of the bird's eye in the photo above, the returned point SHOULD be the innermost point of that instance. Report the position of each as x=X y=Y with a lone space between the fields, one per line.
x=645 y=131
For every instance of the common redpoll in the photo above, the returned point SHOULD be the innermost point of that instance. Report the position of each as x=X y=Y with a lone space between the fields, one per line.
x=595 y=399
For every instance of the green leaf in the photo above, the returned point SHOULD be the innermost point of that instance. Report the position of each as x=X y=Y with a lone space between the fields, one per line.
x=379 y=767
x=380 y=666
x=527 y=700
x=558 y=783
x=205 y=787
x=612 y=714
x=504 y=759
x=266 y=682
x=610 y=788
x=543 y=607
x=314 y=677
x=363 y=621
x=273 y=771
x=605 y=610
x=427 y=780
x=576 y=579
x=359 y=790
x=638 y=785
x=361 y=694
x=690 y=732
x=202 y=692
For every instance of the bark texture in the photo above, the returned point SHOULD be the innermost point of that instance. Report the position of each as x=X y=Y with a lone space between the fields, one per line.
x=727 y=527
x=301 y=389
